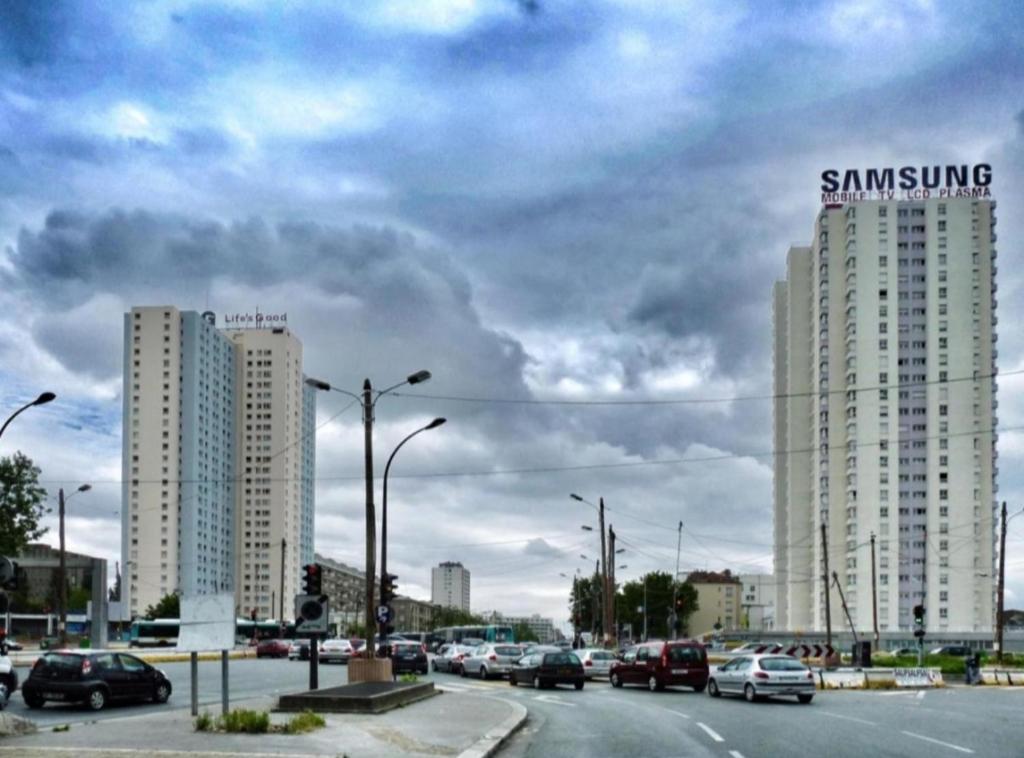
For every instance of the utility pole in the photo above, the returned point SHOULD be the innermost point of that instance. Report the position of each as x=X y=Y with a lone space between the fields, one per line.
x=594 y=597
x=842 y=598
x=874 y=590
x=645 y=607
x=284 y=544
x=371 y=517
x=604 y=577
x=824 y=577
x=1003 y=569
x=611 y=589
x=63 y=574
x=675 y=582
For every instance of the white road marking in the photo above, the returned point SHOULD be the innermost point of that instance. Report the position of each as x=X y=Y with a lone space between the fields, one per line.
x=553 y=700
x=677 y=713
x=950 y=745
x=920 y=694
x=711 y=732
x=736 y=754
x=845 y=718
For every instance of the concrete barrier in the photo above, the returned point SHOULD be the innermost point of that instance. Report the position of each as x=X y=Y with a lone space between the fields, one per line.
x=1011 y=677
x=369 y=670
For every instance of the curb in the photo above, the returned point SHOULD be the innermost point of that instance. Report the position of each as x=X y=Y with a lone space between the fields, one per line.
x=488 y=745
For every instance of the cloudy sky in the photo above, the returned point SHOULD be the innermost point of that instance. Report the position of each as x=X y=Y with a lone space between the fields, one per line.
x=570 y=212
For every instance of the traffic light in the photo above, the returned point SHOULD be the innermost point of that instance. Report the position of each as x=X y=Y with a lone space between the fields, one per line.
x=312 y=579
x=919 y=620
x=387 y=588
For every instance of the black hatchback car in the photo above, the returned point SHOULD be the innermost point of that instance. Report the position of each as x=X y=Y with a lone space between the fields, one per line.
x=547 y=670
x=93 y=677
x=408 y=658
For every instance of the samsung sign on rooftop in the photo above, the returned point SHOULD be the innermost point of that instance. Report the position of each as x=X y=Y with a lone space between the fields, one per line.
x=906 y=183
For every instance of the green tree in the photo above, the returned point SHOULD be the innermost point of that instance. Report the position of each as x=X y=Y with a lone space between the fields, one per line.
x=169 y=607
x=443 y=616
x=585 y=604
x=630 y=604
x=523 y=633
x=22 y=504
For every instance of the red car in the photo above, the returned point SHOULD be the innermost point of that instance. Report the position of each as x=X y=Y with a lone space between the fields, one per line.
x=663 y=664
x=272 y=649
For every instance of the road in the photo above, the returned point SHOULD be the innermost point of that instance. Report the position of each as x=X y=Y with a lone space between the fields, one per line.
x=602 y=721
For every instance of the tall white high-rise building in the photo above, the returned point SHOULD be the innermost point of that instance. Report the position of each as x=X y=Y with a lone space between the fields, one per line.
x=449 y=585
x=885 y=356
x=217 y=461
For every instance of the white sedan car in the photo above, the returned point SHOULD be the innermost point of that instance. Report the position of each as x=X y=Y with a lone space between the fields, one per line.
x=759 y=676
x=335 y=650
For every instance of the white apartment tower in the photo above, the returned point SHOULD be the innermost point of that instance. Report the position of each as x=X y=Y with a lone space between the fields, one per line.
x=449 y=586
x=217 y=461
x=885 y=415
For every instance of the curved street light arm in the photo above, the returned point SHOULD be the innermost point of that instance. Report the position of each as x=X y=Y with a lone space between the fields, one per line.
x=41 y=400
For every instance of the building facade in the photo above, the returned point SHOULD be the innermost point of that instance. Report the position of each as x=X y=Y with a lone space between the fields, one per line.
x=719 y=602
x=218 y=440
x=758 y=601
x=411 y=615
x=449 y=586
x=884 y=364
x=345 y=587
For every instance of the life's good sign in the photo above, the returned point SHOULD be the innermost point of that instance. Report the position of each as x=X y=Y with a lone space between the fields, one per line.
x=906 y=183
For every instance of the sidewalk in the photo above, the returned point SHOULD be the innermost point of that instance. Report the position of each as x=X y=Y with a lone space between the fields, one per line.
x=468 y=726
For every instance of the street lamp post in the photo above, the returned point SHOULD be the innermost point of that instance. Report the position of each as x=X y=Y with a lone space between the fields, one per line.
x=604 y=564
x=384 y=520
x=369 y=402
x=43 y=399
x=61 y=500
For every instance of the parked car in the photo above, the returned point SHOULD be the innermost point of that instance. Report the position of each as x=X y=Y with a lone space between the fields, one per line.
x=900 y=651
x=93 y=677
x=335 y=650
x=596 y=662
x=272 y=648
x=298 y=650
x=547 y=670
x=747 y=648
x=662 y=664
x=957 y=650
x=449 y=657
x=408 y=657
x=13 y=645
x=490 y=659
x=759 y=676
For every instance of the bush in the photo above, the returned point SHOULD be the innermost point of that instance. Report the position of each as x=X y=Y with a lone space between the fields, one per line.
x=249 y=722
x=204 y=722
x=306 y=721
x=408 y=678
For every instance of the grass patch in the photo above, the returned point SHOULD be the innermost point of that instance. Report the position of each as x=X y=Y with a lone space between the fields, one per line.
x=242 y=721
x=303 y=722
x=408 y=678
x=246 y=721
x=62 y=728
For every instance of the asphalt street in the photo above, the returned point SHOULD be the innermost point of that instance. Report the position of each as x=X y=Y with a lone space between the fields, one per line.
x=603 y=721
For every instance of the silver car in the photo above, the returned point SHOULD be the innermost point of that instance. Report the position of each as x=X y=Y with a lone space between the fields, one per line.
x=491 y=659
x=595 y=662
x=449 y=657
x=759 y=676
x=335 y=650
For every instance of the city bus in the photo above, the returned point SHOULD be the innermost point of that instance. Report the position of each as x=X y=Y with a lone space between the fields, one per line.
x=487 y=633
x=164 y=632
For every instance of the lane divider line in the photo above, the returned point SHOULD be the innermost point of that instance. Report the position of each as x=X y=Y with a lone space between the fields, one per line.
x=845 y=718
x=736 y=754
x=711 y=732
x=677 y=713
x=950 y=745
